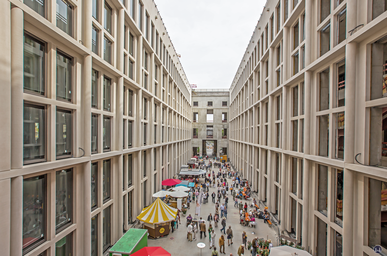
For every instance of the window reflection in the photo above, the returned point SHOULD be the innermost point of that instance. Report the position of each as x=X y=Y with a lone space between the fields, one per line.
x=34 y=126
x=64 y=197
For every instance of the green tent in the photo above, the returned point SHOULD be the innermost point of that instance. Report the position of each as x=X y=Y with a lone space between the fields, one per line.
x=132 y=241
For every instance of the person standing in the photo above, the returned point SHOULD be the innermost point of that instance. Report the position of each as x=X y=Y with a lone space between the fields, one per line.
x=254 y=246
x=214 y=252
x=209 y=232
x=221 y=210
x=225 y=212
x=244 y=237
x=202 y=226
x=229 y=235
x=223 y=225
x=213 y=238
x=189 y=232
x=221 y=244
x=173 y=225
x=241 y=250
x=213 y=197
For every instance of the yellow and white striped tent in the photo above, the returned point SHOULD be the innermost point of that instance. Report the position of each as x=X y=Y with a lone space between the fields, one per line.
x=157 y=212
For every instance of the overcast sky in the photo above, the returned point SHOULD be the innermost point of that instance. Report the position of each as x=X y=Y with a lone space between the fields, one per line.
x=211 y=36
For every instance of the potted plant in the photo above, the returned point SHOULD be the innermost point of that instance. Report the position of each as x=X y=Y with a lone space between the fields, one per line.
x=291 y=244
x=248 y=245
x=265 y=252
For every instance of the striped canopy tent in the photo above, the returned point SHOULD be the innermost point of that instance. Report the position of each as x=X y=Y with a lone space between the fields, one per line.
x=157 y=212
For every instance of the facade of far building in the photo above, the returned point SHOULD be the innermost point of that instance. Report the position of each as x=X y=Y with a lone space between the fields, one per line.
x=99 y=114
x=308 y=122
x=209 y=122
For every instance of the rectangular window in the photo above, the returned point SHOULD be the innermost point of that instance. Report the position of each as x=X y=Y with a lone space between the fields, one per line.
x=144 y=164
x=140 y=15
x=295 y=135
x=64 y=135
x=94 y=133
x=195 y=104
x=94 y=236
x=130 y=103
x=107 y=93
x=224 y=103
x=147 y=27
x=296 y=61
x=131 y=44
x=340 y=92
x=322 y=238
x=294 y=176
x=278 y=16
x=286 y=9
x=64 y=198
x=94 y=185
x=324 y=135
x=324 y=90
x=224 y=117
x=132 y=9
x=195 y=117
x=325 y=39
x=94 y=9
x=94 y=39
x=210 y=131
x=108 y=18
x=130 y=207
x=209 y=103
x=64 y=66
x=130 y=171
x=295 y=100
x=130 y=135
x=107 y=133
x=144 y=193
x=106 y=222
x=377 y=202
x=64 y=16
x=155 y=134
x=339 y=136
x=64 y=247
x=34 y=65
x=145 y=81
x=107 y=51
x=145 y=133
x=131 y=69
x=38 y=6
x=322 y=189
x=145 y=102
x=342 y=26
x=296 y=36
x=224 y=133
x=295 y=2
x=106 y=175
x=195 y=132
x=325 y=9
x=339 y=195
x=34 y=212
x=94 y=88
x=34 y=133
x=210 y=115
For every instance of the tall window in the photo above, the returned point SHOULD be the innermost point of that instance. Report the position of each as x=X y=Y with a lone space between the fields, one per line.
x=130 y=207
x=37 y=6
x=34 y=212
x=323 y=135
x=106 y=176
x=145 y=133
x=94 y=88
x=34 y=125
x=34 y=65
x=140 y=15
x=130 y=134
x=209 y=103
x=107 y=50
x=132 y=8
x=342 y=26
x=107 y=133
x=64 y=66
x=64 y=198
x=130 y=171
x=130 y=102
x=325 y=9
x=144 y=163
x=94 y=39
x=107 y=93
x=131 y=69
x=64 y=135
x=94 y=185
x=106 y=222
x=131 y=44
x=94 y=133
x=95 y=9
x=322 y=189
x=108 y=18
x=325 y=39
x=64 y=16
x=339 y=195
x=94 y=236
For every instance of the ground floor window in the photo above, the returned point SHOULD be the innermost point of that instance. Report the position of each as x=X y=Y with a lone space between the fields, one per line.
x=377 y=228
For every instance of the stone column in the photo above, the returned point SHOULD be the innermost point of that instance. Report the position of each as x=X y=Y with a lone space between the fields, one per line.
x=5 y=215
x=17 y=75
x=86 y=23
x=86 y=104
x=120 y=39
x=119 y=130
x=16 y=216
x=348 y=212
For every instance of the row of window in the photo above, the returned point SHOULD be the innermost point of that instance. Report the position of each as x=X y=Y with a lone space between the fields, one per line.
x=210 y=116
x=209 y=104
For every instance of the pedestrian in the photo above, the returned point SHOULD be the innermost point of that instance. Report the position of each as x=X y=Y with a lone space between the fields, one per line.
x=241 y=250
x=189 y=232
x=221 y=210
x=178 y=216
x=214 y=252
x=245 y=207
x=209 y=232
x=225 y=212
x=173 y=225
x=254 y=246
x=244 y=237
x=226 y=201
x=236 y=202
x=195 y=230
x=202 y=226
x=213 y=238
x=221 y=244
x=223 y=226
x=213 y=197
x=209 y=218
x=229 y=235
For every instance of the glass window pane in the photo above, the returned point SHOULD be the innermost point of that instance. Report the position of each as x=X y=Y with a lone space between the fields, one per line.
x=34 y=65
x=36 y=5
x=131 y=44
x=64 y=67
x=64 y=198
x=130 y=130
x=94 y=40
x=322 y=189
x=94 y=184
x=339 y=196
x=64 y=134
x=94 y=89
x=94 y=133
x=95 y=9
x=106 y=133
x=94 y=236
x=106 y=228
x=64 y=16
x=106 y=179
x=34 y=211
x=130 y=171
x=64 y=247
x=107 y=50
x=130 y=207
x=108 y=18
x=34 y=125
x=106 y=93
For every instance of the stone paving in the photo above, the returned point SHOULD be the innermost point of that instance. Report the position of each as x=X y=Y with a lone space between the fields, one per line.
x=176 y=243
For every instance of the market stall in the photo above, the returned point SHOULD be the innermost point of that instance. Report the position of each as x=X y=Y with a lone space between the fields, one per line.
x=157 y=217
x=132 y=241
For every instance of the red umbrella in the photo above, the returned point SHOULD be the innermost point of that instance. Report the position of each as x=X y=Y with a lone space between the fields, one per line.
x=151 y=251
x=170 y=182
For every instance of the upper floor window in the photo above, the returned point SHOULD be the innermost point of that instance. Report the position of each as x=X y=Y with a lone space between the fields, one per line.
x=107 y=50
x=64 y=198
x=34 y=65
x=224 y=103
x=64 y=16
x=107 y=127
x=94 y=88
x=325 y=9
x=37 y=6
x=34 y=131
x=64 y=65
x=209 y=103
x=108 y=18
x=64 y=135
x=94 y=39
x=140 y=15
x=195 y=103
x=132 y=8
x=95 y=9
x=107 y=93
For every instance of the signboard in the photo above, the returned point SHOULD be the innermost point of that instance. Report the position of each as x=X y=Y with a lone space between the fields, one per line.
x=377 y=249
x=193 y=86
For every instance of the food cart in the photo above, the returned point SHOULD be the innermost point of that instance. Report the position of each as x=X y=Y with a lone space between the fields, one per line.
x=132 y=241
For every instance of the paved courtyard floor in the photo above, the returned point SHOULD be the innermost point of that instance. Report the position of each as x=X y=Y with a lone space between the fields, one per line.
x=176 y=243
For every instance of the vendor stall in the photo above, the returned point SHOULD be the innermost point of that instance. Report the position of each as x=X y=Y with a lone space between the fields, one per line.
x=132 y=241
x=157 y=217
x=184 y=183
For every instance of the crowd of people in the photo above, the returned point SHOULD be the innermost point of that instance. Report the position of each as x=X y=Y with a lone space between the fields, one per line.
x=239 y=189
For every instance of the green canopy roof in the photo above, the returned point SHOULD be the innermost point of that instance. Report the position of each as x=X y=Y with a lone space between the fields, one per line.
x=129 y=241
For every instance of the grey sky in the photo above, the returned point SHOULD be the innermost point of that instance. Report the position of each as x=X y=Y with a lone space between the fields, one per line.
x=211 y=36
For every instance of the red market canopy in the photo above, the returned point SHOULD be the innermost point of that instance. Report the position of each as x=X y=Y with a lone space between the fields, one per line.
x=151 y=251
x=170 y=182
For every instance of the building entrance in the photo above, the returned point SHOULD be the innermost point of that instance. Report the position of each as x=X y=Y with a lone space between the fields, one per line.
x=209 y=147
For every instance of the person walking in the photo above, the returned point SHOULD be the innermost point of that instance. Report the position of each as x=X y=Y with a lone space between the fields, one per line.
x=241 y=250
x=254 y=244
x=209 y=232
x=213 y=197
x=225 y=212
x=202 y=226
x=213 y=238
x=189 y=232
x=244 y=238
x=229 y=235
x=214 y=252
x=223 y=225
x=209 y=218
x=221 y=244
